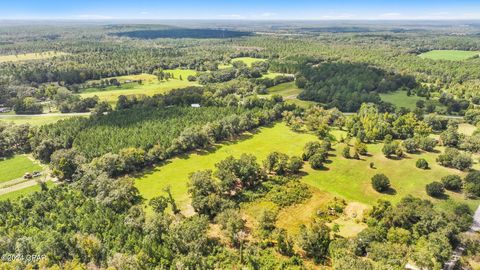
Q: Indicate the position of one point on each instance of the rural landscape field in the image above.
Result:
(252, 135)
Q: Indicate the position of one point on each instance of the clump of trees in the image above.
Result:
(347, 85)
(316, 153)
(380, 182)
(455, 159)
(435, 189)
(422, 164)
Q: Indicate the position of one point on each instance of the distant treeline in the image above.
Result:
(183, 33)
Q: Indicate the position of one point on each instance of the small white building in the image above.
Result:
(195, 105)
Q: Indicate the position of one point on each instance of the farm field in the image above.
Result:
(452, 55)
(349, 179)
(16, 167)
(22, 192)
(30, 56)
(150, 86)
(37, 120)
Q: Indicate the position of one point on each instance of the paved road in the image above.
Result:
(476, 221)
(457, 253)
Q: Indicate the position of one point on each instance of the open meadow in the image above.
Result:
(16, 167)
(38, 120)
(23, 192)
(452, 55)
(30, 56)
(150, 86)
(348, 179)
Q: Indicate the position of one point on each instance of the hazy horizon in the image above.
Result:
(247, 10)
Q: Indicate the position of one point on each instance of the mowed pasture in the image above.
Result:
(289, 91)
(247, 60)
(37, 120)
(15, 167)
(452, 55)
(175, 173)
(343, 178)
(23, 192)
(400, 99)
(150, 86)
(286, 90)
(30, 56)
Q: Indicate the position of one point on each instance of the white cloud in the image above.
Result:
(91, 17)
(267, 14)
(232, 16)
(390, 15)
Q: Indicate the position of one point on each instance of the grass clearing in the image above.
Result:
(451, 55)
(16, 167)
(400, 99)
(175, 173)
(289, 91)
(466, 129)
(30, 56)
(272, 75)
(286, 90)
(38, 120)
(23, 192)
(351, 179)
(149, 87)
(248, 60)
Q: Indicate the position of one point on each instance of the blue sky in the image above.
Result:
(240, 10)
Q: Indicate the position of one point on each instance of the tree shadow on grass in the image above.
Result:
(442, 197)
(390, 191)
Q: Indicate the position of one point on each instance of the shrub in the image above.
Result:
(472, 184)
(454, 158)
(410, 145)
(426, 143)
(435, 189)
(360, 147)
(346, 152)
(380, 182)
(316, 161)
(422, 164)
(452, 182)
(295, 164)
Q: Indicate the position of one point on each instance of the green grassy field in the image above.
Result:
(35, 120)
(349, 179)
(285, 90)
(289, 92)
(149, 87)
(452, 55)
(175, 173)
(400, 99)
(16, 167)
(466, 129)
(22, 192)
(30, 56)
(248, 60)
